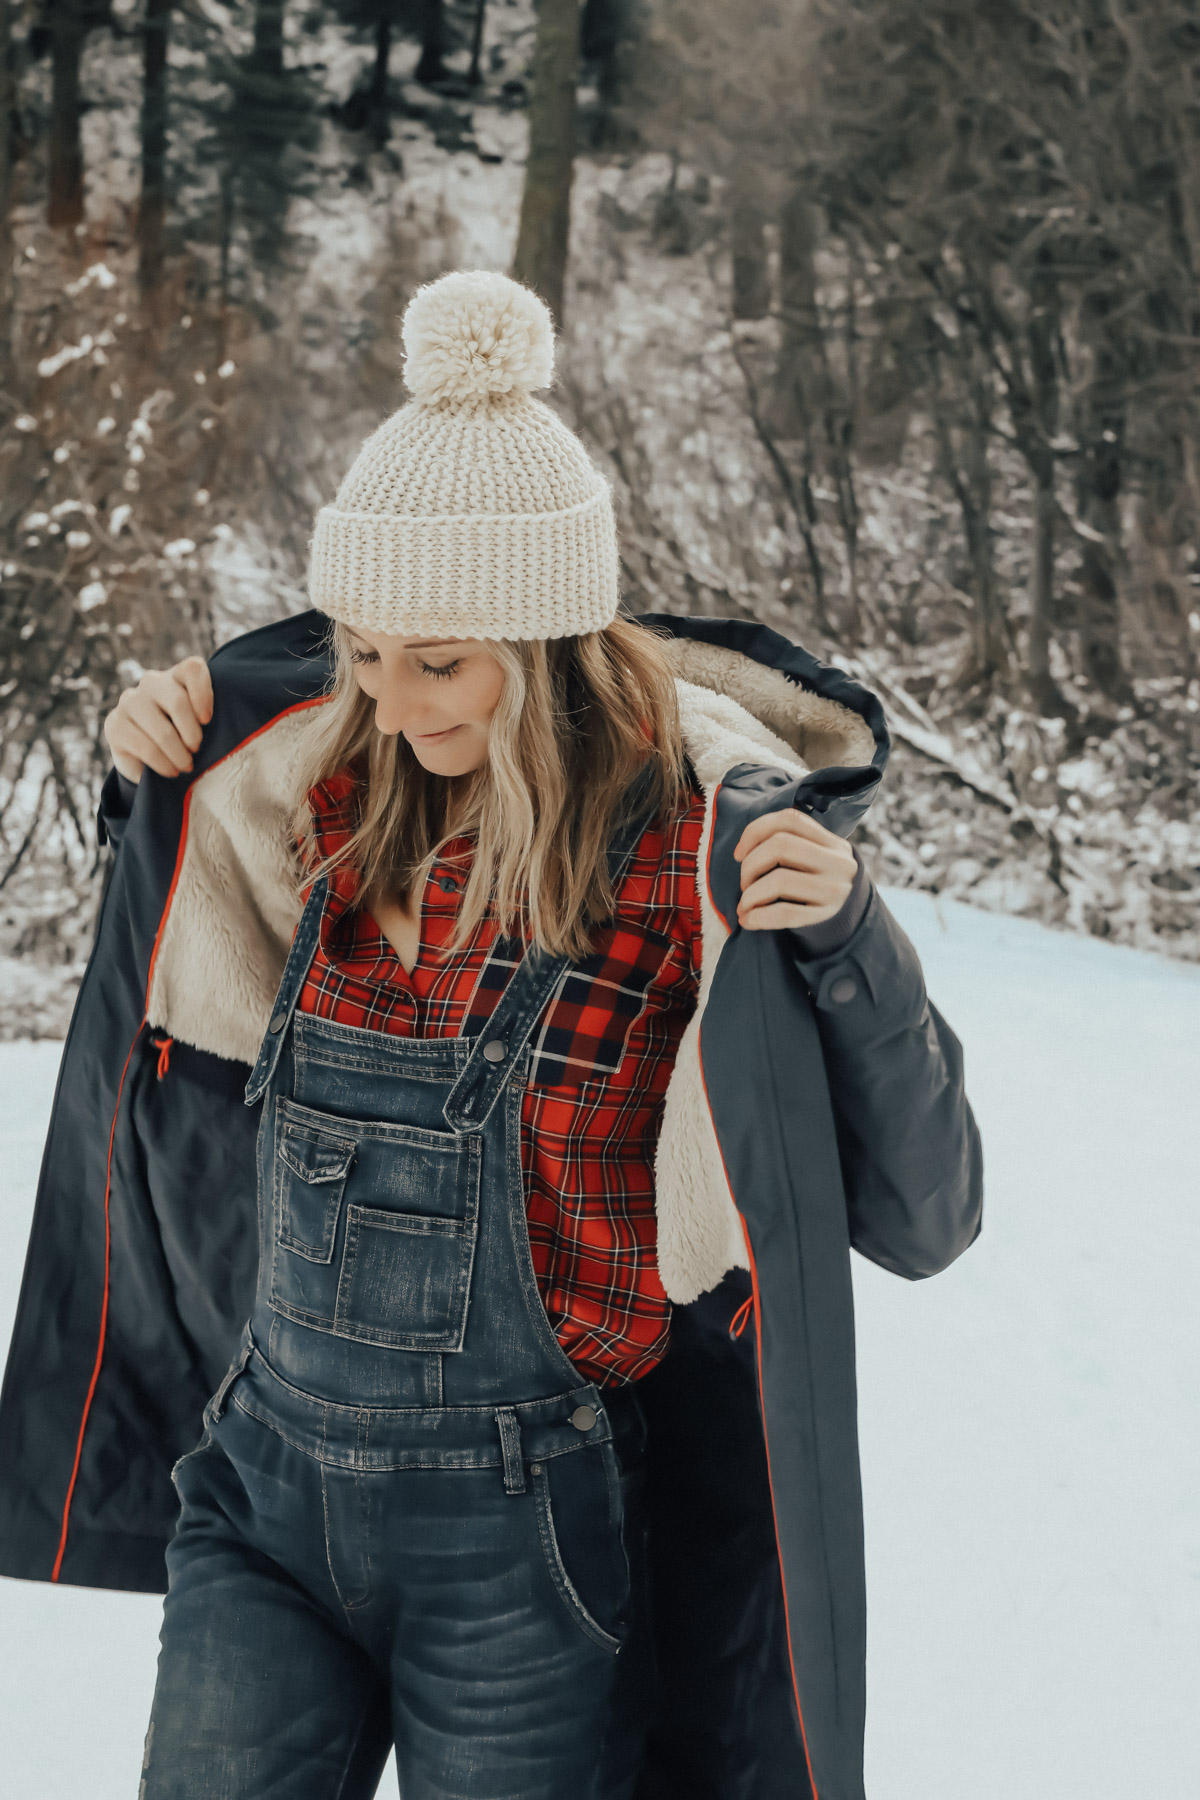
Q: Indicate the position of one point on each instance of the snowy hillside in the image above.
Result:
(1031, 1463)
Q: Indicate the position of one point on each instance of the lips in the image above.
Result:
(431, 737)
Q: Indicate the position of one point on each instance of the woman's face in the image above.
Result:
(440, 693)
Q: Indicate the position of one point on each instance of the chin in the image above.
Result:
(447, 760)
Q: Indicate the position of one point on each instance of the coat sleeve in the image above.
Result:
(910, 1149)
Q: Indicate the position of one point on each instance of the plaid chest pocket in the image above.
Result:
(587, 1024)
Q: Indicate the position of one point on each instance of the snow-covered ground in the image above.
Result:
(1030, 1450)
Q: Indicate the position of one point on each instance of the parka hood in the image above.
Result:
(808, 717)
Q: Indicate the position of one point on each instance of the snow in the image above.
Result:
(1031, 1466)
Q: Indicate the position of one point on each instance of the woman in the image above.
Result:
(584, 1010)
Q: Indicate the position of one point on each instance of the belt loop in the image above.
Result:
(510, 1450)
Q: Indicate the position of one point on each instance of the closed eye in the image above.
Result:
(442, 670)
(363, 656)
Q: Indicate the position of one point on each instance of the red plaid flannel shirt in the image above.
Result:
(602, 1056)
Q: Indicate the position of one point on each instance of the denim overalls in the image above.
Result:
(409, 1517)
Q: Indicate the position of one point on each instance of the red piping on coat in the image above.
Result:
(757, 1308)
(301, 706)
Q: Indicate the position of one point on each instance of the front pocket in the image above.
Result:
(405, 1279)
(375, 1228)
(584, 1545)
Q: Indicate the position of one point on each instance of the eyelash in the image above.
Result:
(439, 674)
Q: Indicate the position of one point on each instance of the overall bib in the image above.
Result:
(409, 1517)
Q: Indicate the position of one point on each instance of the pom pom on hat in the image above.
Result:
(474, 335)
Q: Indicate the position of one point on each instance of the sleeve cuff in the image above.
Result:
(830, 935)
(116, 803)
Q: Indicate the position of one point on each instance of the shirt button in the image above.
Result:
(447, 884)
(496, 1051)
(844, 990)
(584, 1417)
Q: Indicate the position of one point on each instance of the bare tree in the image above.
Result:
(65, 192)
(543, 233)
(152, 203)
(7, 108)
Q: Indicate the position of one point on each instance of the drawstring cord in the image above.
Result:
(741, 1318)
(163, 1046)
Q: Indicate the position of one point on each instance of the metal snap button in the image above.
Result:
(496, 1051)
(843, 990)
(535, 1468)
(584, 1417)
(278, 1023)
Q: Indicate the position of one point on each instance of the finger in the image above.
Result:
(125, 764)
(145, 714)
(175, 701)
(136, 742)
(193, 675)
(792, 885)
(796, 853)
(784, 915)
(784, 818)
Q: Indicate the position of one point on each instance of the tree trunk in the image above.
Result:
(267, 56)
(751, 297)
(1040, 429)
(542, 237)
(797, 399)
(378, 122)
(7, 269)
(473, 73)
(967, 469)
(65, 198)
(1099, 600)
(1041, 582)
(431, 66)
(152, 205)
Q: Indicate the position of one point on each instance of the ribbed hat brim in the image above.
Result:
(507, 575)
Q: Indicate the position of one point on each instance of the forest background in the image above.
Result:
(883, 318)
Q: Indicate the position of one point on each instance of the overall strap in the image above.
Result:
(300, 955)
(471, 1100)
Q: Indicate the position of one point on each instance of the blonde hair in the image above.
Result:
(578, 719)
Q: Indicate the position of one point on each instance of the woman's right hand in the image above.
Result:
(159, 723)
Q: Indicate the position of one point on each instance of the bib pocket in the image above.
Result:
(374, 1228)
(312, 1164)
(404, 1280)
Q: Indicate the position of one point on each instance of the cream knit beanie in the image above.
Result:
(473, 511)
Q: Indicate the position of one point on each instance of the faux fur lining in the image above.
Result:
(225, 939)
(822, 732)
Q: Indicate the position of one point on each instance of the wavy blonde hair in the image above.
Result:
(578, 719)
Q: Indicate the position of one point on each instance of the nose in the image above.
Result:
(389, 715)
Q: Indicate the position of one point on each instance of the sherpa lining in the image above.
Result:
(224, 940)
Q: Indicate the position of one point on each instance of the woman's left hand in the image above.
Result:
(794, 871)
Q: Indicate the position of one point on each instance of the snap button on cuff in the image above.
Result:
(841, 991)
(277, 1023)
(496, 1051)
(584, 1417)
